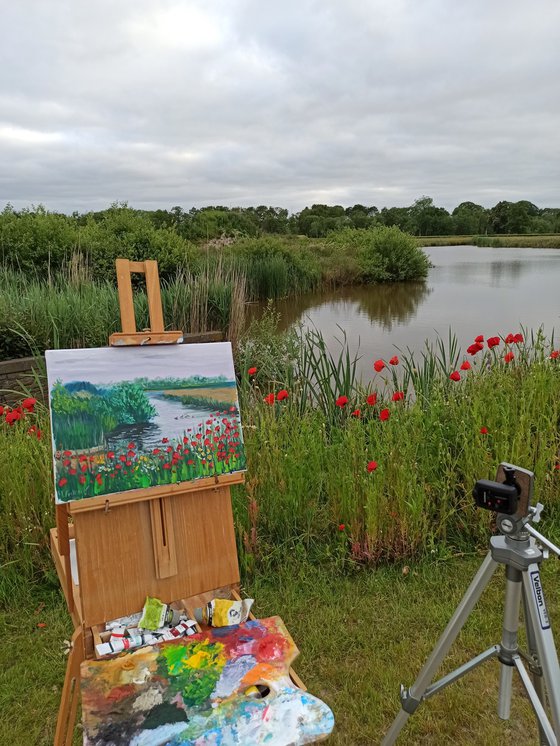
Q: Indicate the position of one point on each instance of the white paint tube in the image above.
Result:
(136, 640)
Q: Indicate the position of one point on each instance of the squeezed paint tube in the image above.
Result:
(124, 621)
(156, 614)
(222, 612)
(139, 638)
(117, 633)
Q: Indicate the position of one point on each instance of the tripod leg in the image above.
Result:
(508, 647)
(412, 697)
(536, 670)
(548, 657)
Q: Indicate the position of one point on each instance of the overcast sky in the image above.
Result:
(247, 102)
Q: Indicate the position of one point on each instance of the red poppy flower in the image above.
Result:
(1, 410)
(66, 462)
(342, 401)
(479, 339)
(128, 463)
(372, 466)
(509, 339)
(508, 357)
(252, 371)
(378, 365)
(72, 472)
(131, 445)
(492, 342)
(62, 482)
(455, 376)
(84, 467)
(384, 415)
(165, 440)
(474, 348)
(131, 454)
(341, 526)
(29, 404)
(554, 354)
(12, 417)
(110, 454)
(156, 451)
(484, 430)
(98, 478)
(269, 398)
(518, 338)
(398, 396)
(82, 479)
(465, 365)
(282, 394)
(357, 413)
(372, 399)
(394, 360)
(122, 458)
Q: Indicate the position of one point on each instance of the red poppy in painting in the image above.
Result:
(372, 466)
(98, 479)
(554, 354)
(517, 338)
(72, 472)
(269, 399)
(508, 357)
(398, 396)
(394, 360)
(122, 458)
(357, 413)
(378, 365)
(110, 454)
(62, 482)
(165, 440)
(131, 445)
(492, 342)
(455, 376)
(479, 339)
(66, 462)
(474, 348)
(342, 401)
(252, 371)
(29, 403)
(82, 479)
(282, 394)
(372, 399)
(384, 415)
(484, 431)
(84, 467)
(465, 365)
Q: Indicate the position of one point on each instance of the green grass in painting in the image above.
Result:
(360, 636)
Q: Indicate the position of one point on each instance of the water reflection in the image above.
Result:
(383, 305)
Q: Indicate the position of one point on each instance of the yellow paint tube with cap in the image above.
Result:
(223, 612)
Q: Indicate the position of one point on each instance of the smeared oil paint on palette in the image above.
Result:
(193, 691)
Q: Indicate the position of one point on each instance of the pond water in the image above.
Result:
(171, 421)
(470, 290)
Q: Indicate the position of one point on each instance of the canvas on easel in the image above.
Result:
(138, 417)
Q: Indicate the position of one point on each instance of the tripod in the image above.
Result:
(521, 549)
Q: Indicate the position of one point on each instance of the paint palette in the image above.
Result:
(222, 687)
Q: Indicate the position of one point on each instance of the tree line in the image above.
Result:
(422, 218)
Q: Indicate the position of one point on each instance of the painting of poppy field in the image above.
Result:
(126, 418)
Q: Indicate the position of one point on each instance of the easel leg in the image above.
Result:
(70, 692)
(548, 657)
(413, 697)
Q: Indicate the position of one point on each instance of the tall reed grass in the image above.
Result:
(342, 472)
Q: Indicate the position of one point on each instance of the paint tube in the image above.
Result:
(156, 614)
(138, 638)
(222, 612)
(117, 633)
(124, 621)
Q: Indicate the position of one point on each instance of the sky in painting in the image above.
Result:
(247, 102)
(113, 364)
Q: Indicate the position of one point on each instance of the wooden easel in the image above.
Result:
(175, 542)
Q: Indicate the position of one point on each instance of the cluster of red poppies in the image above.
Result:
(11, 415)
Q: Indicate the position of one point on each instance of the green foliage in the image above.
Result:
(129, 404)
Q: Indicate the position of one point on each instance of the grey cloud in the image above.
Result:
(245, 102)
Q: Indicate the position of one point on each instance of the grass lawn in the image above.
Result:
(360, 636)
